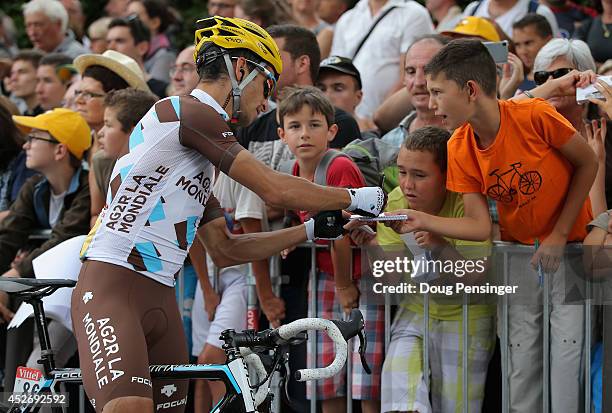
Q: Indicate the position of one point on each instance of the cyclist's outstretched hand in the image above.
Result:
(348, 297)
(550, 253)
(368, 201)
(211, 301)
(606, 91)
(274, 309)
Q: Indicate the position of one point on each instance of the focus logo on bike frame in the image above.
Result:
(27, 380)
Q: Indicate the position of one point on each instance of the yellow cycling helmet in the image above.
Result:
(234, 33)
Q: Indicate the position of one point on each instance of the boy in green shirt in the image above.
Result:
(422, 175)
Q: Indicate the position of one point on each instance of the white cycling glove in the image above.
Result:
(368, 201)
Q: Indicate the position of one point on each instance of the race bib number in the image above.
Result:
(27, 380)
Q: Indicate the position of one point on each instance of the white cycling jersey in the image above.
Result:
(158, 191)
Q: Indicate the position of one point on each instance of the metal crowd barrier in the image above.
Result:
(501, 248)
(503, 258)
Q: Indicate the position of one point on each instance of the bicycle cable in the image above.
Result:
(277, 357)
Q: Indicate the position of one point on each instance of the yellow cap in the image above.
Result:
(65, 125)
(475, 26)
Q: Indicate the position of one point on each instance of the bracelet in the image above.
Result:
(528, 94)
(343, 288)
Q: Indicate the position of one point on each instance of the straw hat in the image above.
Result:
(116, 62)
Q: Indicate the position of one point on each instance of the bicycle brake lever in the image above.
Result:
(293, 405)
(362, 349)
(298, 339)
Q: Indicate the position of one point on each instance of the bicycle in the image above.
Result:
(529, 182)
(244, 351)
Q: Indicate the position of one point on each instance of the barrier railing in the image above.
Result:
(502, 251)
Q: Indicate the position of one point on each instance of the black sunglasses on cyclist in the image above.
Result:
(269, 81)
(542, 76)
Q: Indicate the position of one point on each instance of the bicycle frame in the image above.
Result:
(239, 397)
(241, 348)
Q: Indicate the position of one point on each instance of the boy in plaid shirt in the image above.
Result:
(306, 119)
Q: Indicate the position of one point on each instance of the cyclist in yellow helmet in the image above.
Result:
(159, 195)
(219, 41)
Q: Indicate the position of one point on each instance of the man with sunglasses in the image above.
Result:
(160, 193)
(57, 199)
(529, 35)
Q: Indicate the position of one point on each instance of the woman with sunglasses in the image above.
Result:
(556, 59)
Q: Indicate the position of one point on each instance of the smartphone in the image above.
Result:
(498, 50)
(381, 217)
(584, 93)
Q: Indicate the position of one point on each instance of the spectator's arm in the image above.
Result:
(475, 225)
(582, 157)
(346, 291)
(395, 108)
(325, 38)
(97, 200)
(18, 224)
(597, 255)
(596, 137)
(4, 214)
(197, 254)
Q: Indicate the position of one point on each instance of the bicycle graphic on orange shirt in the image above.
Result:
(528, 183)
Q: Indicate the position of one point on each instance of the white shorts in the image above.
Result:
(230, 313)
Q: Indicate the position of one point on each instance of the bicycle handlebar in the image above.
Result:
(339, 331)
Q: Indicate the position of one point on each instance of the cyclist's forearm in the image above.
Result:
(300, 194)
(283, 190)
(238, 249)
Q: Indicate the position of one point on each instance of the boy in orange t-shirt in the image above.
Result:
(538, 169)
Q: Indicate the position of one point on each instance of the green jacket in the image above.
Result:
(30, 213)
